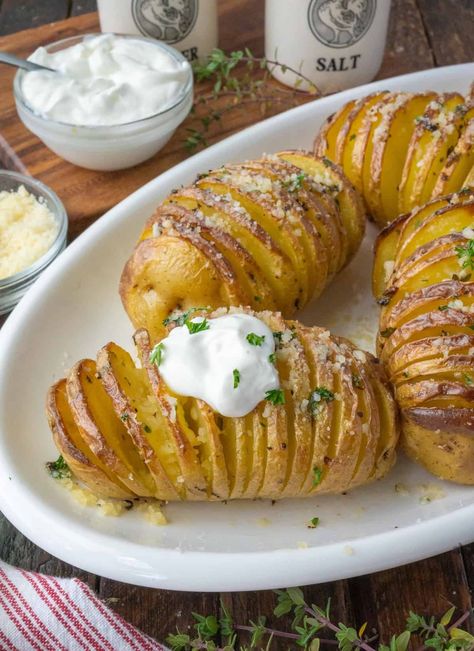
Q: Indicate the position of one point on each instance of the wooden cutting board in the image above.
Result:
(86, 194)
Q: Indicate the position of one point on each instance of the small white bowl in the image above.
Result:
(107, 148)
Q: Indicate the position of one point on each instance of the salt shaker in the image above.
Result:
(336, 44)
(188, 25)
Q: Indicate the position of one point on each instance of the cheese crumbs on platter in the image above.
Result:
(28, 228)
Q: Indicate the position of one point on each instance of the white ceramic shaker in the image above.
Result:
(335, 43)
(188, 25)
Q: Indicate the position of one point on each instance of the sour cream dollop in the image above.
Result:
(104, 80)
(228, 364)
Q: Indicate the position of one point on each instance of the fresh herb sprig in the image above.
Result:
(59, 469)
(232, 82)
(466, 255)
(275, 396)
(312, 628)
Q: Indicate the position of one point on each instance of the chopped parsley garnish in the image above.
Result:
(326, 162)
(199, 326)
(466, 255)
(443, 308)
(147, 429)
(181, 319)
(388, 332)
(313, 523)
(353, 137)
(59, 469)
(467, 379)
(317, 397)
(255, 340)
(272, 358)
(317, 475)
(259, 299)
(156, 354)
(357, 382)
(471, 327)
(124, 416)
(275, 396)
(294, 183)
(236, 376)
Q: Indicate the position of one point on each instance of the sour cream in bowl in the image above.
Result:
(113, 102)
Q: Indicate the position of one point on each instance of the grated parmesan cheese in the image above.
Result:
(27, 230)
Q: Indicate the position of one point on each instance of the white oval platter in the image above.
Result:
(74, 309)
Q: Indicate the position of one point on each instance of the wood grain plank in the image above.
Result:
(19, 551)
(429, 587)
(248, 606)
(15, 15)
(468, 558)
(157, 612)
(407, 48)
(83, 7)
(449, 27)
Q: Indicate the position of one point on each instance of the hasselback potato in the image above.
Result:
(402, 149)
(124, 434)
(269, 234)
(423, 278)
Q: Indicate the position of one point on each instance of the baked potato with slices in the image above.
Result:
(124, 434)
(423, 278)
(402, 149)
(269, 233)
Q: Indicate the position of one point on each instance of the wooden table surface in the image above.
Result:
(422, 34)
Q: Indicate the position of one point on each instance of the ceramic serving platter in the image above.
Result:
(74, 309)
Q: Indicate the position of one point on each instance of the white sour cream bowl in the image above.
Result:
(94, 139)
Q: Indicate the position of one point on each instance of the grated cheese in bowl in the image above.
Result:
(33, 231)
(28, 228)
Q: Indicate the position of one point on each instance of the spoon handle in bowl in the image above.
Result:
(12, 60)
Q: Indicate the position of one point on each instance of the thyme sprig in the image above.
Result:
(310, 623)
(230, 82)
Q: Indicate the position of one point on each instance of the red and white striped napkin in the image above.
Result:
(44, 613)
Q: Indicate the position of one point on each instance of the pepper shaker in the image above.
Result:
(188, 25)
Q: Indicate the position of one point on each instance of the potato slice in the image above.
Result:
(134, 403)
(262, 210)
(348, 135)
(450, 219)
(441, 441)
(458, 165)
(325, 141)
(450, 137)
(316, 344)
(154, 281)
(84, 464)
(182, 441)
(429, 133)
(328, 175)
(268, 261)
(103, 431)
(253, 289)
(384, 164)
(296, 190)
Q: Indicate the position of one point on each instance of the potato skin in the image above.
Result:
(426, 337)
(402, 149)
(296, 449)
(269, 234)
